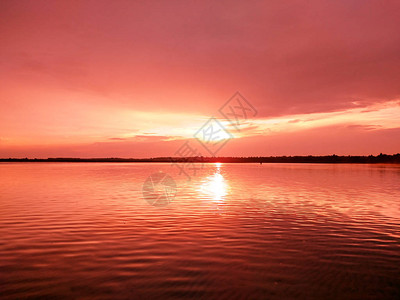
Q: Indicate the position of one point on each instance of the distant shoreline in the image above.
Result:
(371, 159)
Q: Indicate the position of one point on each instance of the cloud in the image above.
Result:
(363, 127)
(286, 58)
(318, 141)
(117, 139)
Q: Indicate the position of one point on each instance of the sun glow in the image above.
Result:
(215, 186)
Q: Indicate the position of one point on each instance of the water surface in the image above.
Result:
(235, 231)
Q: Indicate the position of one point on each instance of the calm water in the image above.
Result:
(247, 231)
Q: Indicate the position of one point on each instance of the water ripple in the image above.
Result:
(236, 231)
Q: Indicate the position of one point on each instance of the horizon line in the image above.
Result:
(333, 158)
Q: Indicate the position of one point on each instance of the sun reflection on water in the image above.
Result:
(215, 186)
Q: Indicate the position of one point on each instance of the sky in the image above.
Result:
(142, 78)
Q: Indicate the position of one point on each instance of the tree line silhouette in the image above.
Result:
(370, 159)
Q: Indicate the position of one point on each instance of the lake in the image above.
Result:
(233, 231)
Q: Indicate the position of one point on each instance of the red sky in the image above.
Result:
(138, 78)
